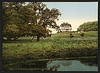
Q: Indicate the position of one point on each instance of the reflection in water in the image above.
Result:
(73, 65)
(54, 65)
(89, 64)
(89, 61)
(35, 64)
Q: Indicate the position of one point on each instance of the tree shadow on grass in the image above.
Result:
(28, 41)
(20, 41)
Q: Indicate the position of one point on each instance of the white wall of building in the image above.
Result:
(53, 30)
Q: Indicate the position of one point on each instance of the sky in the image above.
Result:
(75, 13)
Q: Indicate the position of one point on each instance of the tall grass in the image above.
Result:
(57, 46)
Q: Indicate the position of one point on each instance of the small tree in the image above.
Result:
(82, 34)
(71, 36)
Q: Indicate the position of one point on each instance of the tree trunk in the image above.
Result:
(38, 38)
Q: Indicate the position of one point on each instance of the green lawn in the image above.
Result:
(58, 45)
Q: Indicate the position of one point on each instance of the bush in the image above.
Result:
(11, 31)
(82, 34)
(71, 35)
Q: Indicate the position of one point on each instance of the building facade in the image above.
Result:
(65, 27)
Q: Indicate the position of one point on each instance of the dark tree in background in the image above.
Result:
(88, 26)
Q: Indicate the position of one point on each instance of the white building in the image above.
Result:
(65, 27)
(54, 30)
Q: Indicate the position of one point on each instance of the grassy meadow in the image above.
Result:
(58, 45)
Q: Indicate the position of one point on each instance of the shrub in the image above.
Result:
(82, 34)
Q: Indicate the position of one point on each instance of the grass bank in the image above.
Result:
(57, 46)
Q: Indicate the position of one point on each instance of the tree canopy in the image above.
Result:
(32, 18)
(88, 26)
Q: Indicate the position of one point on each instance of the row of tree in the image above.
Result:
(32, 18)
(88, 26)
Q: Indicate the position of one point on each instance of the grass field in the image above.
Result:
(58, 45)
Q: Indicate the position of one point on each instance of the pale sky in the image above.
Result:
(75, 13)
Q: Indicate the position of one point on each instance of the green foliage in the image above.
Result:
(11, 13)
(82, 34)
(39, 30)
(35, 13)
(88, 26)
(71, 35)
(11, 31)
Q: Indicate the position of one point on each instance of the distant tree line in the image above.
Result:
(32, 19)
(88, 26)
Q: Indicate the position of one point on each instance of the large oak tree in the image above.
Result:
(32, 19)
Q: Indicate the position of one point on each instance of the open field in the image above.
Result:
(58, 45)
